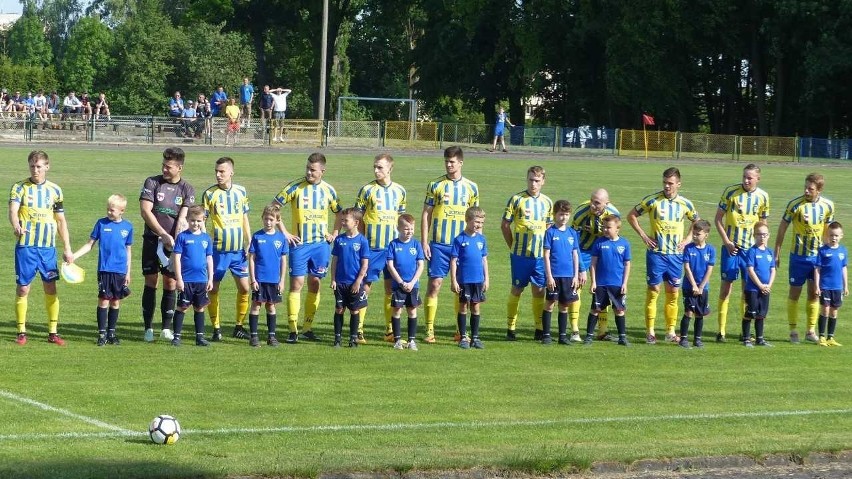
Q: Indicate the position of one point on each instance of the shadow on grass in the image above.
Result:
(102, 468)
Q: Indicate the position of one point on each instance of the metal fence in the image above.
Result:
(147, 129)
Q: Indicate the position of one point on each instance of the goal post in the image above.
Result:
(412, 104)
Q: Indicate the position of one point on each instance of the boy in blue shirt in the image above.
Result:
(469, 275)
(114, 235)
(831, 282)
(699, 257)
(267, 262)
(609, 273)
(350, 258)
(193, 263)
(405, 263)
(760, 266)
(562, 266)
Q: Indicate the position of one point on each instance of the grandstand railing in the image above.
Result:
(147, 129)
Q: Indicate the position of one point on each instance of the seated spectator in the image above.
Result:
(85, 106)
(176, 105)
(218, 101)
(189, 120)
(53, 104)
(4, 100)
(29, 105)
(15, 105)
(71, 105)
(40, 105)
(102, 107)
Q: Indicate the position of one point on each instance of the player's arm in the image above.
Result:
(146, 208)
(845, 281)
(687, 271)
(575, 283)
(633, 220)
(62, 229)
(333, 271)
(336, 228)
(592, 274)
(768, 286)
(394, 274)
(209, 272)
(362, 273)
(282, 268)
(720, 228)
(252, 272)
(14, 220)
(779, 241)
(454, 284)
(127, 275)
(182, 224)
(550, 283)
(817, 276)
(485, 272)
(246, 231)
(626, 277)
(421, 265)
(706, 279)
(88, 247)
(425, 224)
(506, 229)
(754, 279)
(178, 271)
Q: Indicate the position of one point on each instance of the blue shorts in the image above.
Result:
(801, 269)
(757, 305)
(193, 294)
(345, 299)
(310, 258)
(609, 296)
(235, 261)
(439, 265)
(733, 266)
(403, 299)
(376, 265)
(31, 259)
(659, 267)
(267, 293)
(526, 270)
(563, 293)
(471, 293)
(699, 305)
(498, 131)
(111, 286)
(833, 298)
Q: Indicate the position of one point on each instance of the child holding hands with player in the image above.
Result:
(832, 282)
(193, 263)
(760, 267)
(350, 256)
(609, 272)
(562, 267)
(405, 264)
(469, 275)
(699, 257)
(267, 262)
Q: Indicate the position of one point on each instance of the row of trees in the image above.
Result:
(766, 67)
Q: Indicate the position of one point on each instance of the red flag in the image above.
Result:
(647, 119)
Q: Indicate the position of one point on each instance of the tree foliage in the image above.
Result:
(28, 45)
(88, 56)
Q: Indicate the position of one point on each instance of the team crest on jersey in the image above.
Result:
(161, 196)
(204, 244)
(620, 249)
(178, 200)
(480, 245)
(356, 246)
(278, 244)
(124, 233)
(571, 240)
(412, 250)
(841, 256)
(706, 256)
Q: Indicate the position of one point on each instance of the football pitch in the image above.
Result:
(81, 411)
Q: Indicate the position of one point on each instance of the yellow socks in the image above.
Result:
(362, 313)
(670, 310)
(293, 306)
(813, 314)
(512, 305)
(793, 313)
(650, 309)
(21, 313)
(603, 321)
(213, 309)
(431, 308)
(574, 315)
(51, 304)
(387, 305)
(242, 307)
(311, 305)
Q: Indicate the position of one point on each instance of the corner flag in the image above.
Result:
(647, 119)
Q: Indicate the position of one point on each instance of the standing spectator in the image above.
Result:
(246, 99)
(71, 105)
(219, 100)
(102, 107)
(232, 113)
(35, 225)
(666, 211)
(499, 129)
(175, 105)
(163, 202)
(204, 113)
(266, 103)
(279, 100)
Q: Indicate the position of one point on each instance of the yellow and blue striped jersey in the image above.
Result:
(590, 226)
(225, 209)
(529, 216)
(38, 205)
(666, 216)
(742, 211)
(309, 207)
(382, 206)
(809, 220)
(449, 201)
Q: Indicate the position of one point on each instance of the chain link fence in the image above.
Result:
(705, 145)
(767, 148)
(366, 134)
(655, 143)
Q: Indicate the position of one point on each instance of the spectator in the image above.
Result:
(53, 104)
(189, 120)
(232, 113)
(86, 106)
(246, 99)
(176, 105)
(16, 104)
(266, 102)
(219, 100)
(279, 97)
(29, 104)
(102, 107)
(204, 113)
(71, 105)
(40, 105)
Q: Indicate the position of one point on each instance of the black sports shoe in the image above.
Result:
(293, 338)
(113, 339)
(272, 341)
(623, 342)
(353, 343)
(240, 332)
(546, 340)
(510, 335)
(176, 342)
(254, 342)
(310, 336)
(563, 339)
(200, 341)
(539, 335)
(217, 335)
(698, 343)
(337, 341)
(101, 340)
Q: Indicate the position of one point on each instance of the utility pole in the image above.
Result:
(323, 62)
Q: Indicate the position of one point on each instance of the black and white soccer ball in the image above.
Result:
(164, 429)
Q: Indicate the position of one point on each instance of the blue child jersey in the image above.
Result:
(611, 254)
(113, 238)
(349, 251)
(831, 264)
(405, 256)
(561, 244)
(194, 250)
(268, 248)
(698, 259)
(763, 263)
(469, 249)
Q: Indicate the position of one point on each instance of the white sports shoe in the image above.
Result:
(149, 335)
(412, 345)
(167, 334)
(575, 338)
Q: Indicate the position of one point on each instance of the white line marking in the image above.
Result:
(436, 425)
(64, 412)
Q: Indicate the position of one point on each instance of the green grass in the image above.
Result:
(309, 409)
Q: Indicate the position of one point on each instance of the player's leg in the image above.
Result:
(812, 310)
(832, 319)
(25, 271)
(654, 267)
(797, 269)
(439, 268)
(49, 275)
(672, 277)
(547, 314)
(537, 279)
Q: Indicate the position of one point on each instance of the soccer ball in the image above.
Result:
(164, 429)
